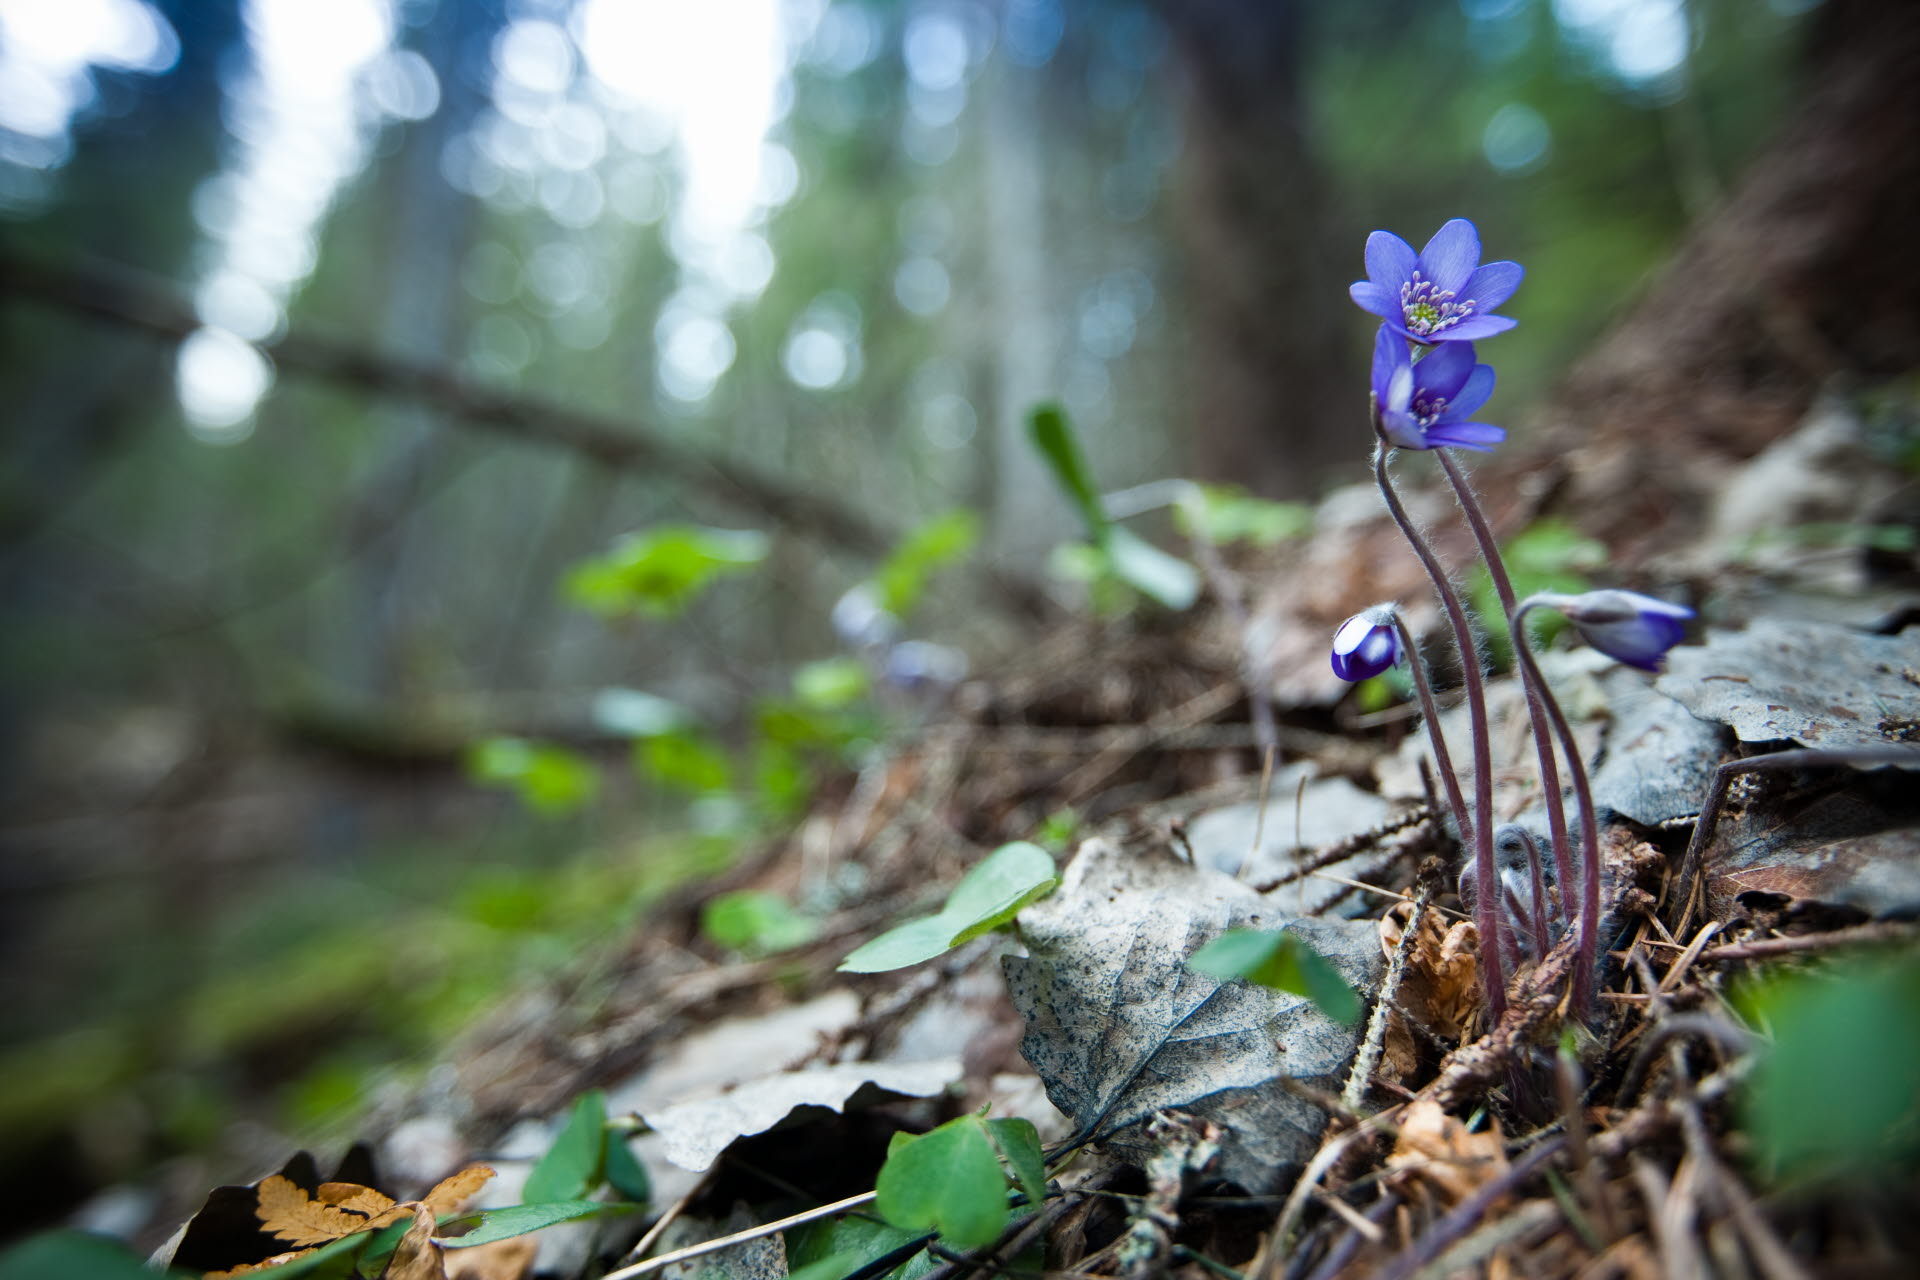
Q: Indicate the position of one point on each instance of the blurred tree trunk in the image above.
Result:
(1804, 277)
(1273, 382)
(429, 228)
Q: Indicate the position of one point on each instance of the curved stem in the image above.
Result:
(1589, 831)
(1541, 940)
(1441, 756)
(1486, 906)
(1536, 712)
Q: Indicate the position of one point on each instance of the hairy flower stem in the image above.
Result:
(1541, 939)
(1486, 908)
(1441, 756)
(1589, 830)
(1536, 712)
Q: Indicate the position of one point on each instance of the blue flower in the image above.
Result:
(1424, 405)
(1443, 294)
(1366, 644)
(1625, 625)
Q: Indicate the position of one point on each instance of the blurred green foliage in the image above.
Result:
(941, 542)
(756, 923)
(549, 780)
(1837, 1091)
(1548, 555)
(1281, 960)
(1227, 514)
(661, 571)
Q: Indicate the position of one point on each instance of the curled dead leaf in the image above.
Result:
(508, 1259)
(417, 1257)
(1435, 1151)
(452, 1193)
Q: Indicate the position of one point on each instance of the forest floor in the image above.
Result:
(1737, 1097)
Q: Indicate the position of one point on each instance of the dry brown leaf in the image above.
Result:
(450, 1194)
(288, 1212)
(1436, 1150)
(1441, 985)
(417, 1257)
(508, 1259)
(351, 1197)
(254, 1268)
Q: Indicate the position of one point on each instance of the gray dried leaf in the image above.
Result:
(1659, 757)
(697, 1131)
(1836, 836)
(1119, 1028)
(1820, 685)
(1327, 811)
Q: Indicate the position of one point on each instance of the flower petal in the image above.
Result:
(1378, 299)
(1399, 395)
(1389, 354)
(1389, 260)
(1443, 371)
(1403, 431)
(1473, 328)
(1473, 393)
(1450, 257)
(1477, 436)
(1492, 284)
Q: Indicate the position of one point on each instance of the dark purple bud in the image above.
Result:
(1625, 625)
(1366, 644)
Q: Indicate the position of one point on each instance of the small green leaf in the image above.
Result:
(70, 1255)
(987, 897)
(1166, 580)
(756, 922)
(1278, 959)
(626, 1175)
(839, 1247)
(832, 683)
(997, 888)
(1019, 1144)
(572, 1166)
(685, 761)
(521, 1219)
(549, 780)
(1055, 439)
(661, 571)
(948, 1180)
(910, 943)
(1227, 514)
(939, 542)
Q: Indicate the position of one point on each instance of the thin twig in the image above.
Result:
(1370, 1046)
(651, 1265)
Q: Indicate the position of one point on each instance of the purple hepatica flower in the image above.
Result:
(1443, 295)
(1365, 645)
(1625, 625)
(1422, 406)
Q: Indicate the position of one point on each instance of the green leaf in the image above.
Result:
(948, 1180)
(911, 943)
(1165, 579)
(832, 683)
(756, 922)
(572, 1166)
(626, 1175)
(684, 761)
(549, 780)
(70, 1255)
(1227, 514)
(997, 888)
(1019, 1145)
(987, 897)
(1838, 1093)
(521, 1219)
(663, 570)
(1278, 959)
(933, 546)
(1058, 445)
(840, 1246)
